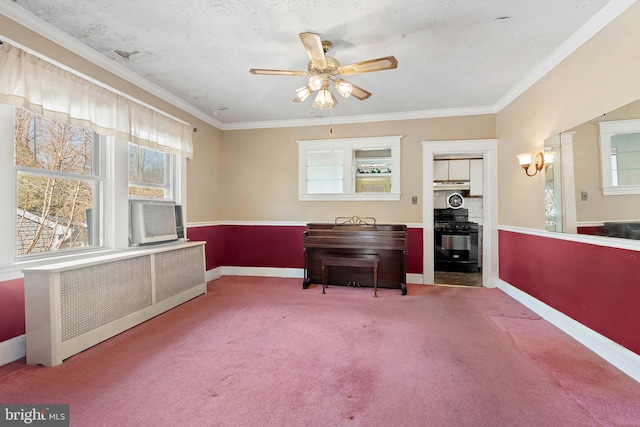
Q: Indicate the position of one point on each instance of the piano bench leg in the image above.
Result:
(375, 281)
(324, 278)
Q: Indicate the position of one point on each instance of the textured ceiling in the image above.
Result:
(451, 54)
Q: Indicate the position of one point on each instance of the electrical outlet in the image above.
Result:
(584, 196)
(414, 200)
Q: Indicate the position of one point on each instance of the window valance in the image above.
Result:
(42, 87)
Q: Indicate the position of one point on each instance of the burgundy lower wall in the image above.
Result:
(214, 248)
(226, 245)
(11, 309)
(597, 286)
(596, 230)
(273, 246)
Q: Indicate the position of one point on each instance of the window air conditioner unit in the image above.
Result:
(155, 222)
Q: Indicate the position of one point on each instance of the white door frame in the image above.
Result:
(488, 149)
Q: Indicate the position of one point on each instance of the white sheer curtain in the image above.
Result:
(30, 82)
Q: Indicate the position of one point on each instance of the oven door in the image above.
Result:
(456, 250)
(457, 245)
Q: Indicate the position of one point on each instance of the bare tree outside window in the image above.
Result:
(55, 190)
(148, 173)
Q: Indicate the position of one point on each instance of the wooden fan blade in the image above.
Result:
(386, 63)
(313, 45)
(358, 92)
(278, 72)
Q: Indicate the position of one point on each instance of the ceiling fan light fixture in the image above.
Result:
(302, 94)
(324, 100)
(343, 87)
(315, 82)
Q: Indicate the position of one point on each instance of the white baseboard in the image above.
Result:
(13, 349)
(297, 273)
(415, 278)
(214, 274)
(619, 356)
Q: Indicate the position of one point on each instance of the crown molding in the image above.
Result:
(601, 19)
(369, 118)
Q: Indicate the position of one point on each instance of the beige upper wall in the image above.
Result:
(227, 179)
(203, 201)
(260, 169)
(600, 76)
(588, 174)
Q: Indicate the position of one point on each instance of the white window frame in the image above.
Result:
(607, 131)
(171, 178)
(114, 209)
(349, 145)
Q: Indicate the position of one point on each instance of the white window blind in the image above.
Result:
(324, 172)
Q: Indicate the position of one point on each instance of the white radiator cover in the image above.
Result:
(70, 307)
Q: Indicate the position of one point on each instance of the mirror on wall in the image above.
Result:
(593, 185)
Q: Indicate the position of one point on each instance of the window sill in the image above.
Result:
(361, 197)
(621, 190)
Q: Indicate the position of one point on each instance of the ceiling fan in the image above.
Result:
(325, 71)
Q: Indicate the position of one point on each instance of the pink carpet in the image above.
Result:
(265, 352)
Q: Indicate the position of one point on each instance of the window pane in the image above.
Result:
(325, 172)
(45, 144)
(52, 214)
(147, 165)
(626, 157)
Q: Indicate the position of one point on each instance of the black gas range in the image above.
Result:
(456, 241)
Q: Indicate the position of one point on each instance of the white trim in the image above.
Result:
(621, 190)
(213, 274)
(488, 148)
(13, 349)
(611, 242)
(202, 224)
(415, 278)
(355, 197)
(348, 146)
(591, 223)
(619, 356)
(297, 273)
(280, 223)
(601, 19)
(370, 118)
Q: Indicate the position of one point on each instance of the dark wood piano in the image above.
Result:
(356, 235)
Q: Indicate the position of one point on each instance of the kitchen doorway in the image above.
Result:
(486, 149)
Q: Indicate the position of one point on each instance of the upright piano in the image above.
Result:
(357, 236)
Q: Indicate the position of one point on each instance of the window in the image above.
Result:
(67, 189)
(150, 173)
(350, 169)
(58, 185)
(620, 152)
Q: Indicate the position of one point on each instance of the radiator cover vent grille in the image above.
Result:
(178, 271)
(96, 295)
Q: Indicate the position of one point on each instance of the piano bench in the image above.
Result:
(350, 260)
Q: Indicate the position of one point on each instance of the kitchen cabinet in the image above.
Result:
(459, 170)
(451, 170)
(441, 170)
(475, 177)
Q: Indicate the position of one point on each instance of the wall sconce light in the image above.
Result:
(525, 162)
